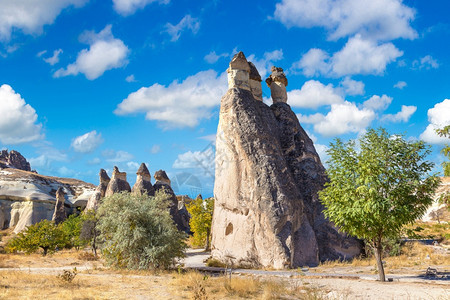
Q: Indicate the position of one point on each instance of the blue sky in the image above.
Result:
(89, 84)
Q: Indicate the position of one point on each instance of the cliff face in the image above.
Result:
(27, 198)
(268, 173)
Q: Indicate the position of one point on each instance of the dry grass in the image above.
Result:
(195, 285)
(36, 260)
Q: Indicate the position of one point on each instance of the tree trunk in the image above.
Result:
(208, 244)
(45, 251)
(378, 250)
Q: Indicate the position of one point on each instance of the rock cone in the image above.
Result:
(100, 191)
(60, 212)
(143, 183)
(268, 174)
(118, 183)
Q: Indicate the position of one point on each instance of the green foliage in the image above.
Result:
(89, 232)
(374, 192)
(71, 228)
(201, 212)
(45, 235)
(445, 132)
(137, 231)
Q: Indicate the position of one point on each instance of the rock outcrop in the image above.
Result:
(268, 174)
(60, 212)
(15, 160)
(162, 183)
(118, 183)
(143, 183)
(27, 198)
(100, 191)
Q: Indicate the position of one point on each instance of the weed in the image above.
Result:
(67, 276)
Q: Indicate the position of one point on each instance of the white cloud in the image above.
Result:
(87, 142)
(53, 60)
(352, 87)
(310, 119)
(178, 104)
(402, 116)
(377, 20)
(47, 155)
(30, 16)
(188, 22)
(426, 62)
(130, 78)
(155, 149)
(378, 103)
(314, 94)
(344, 118)
(105, 53)
(438, 116)
(264, 64)
(212, 57)
(400, 85)
(117, 156)
(129, 7)
(313, 63)
(18, 121)
(358, 56)
(195, 160)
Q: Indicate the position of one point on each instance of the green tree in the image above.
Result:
(137, 232)
(445, 132)
(71, 228)
(373, 192)
(45, 235)
(201, 212)
(89, 231)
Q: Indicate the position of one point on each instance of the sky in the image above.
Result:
(90, 84)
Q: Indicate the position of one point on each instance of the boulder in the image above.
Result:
(143, 183)
(100, 191)
(60, 212)
(118, 183)
(268, 174)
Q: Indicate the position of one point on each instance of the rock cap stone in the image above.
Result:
(161, 176)
(277, 76)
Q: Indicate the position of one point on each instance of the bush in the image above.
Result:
(137, 231)
(71, 228)
(45, 235)
(201, 212)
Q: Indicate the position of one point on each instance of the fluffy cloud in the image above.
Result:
(358, 56)
(266, 62)
(130, 78)
(48, 154)
(53, 60)
(212, 57)
(30, 16)
(343, 118)
(204, 160)
(180, 104)
(400, 85)
(105, 53)
(87, 142)
(18, 121)
(314, 94)
(117, 156)
(378, 103)
(438, 116)
(188, 22)
(426, 62)
(402, 116)
(129, 7)
(352, 87)
(380, 20)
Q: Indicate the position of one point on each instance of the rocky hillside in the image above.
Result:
(27, 198)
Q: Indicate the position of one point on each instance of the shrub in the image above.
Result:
(137, 231)
(201, 212)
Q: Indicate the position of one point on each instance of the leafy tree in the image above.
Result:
(138, 232)
(71, 228)
(201, 212)
(45, 235)
(373, 192)
(445, 132)
(89, 231)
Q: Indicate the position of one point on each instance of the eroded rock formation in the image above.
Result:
(15, 160)
(268, 173)
(60, 212)
(100, 191)
(118, 183)
(143, 183)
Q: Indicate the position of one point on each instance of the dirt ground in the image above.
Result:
(36, 277)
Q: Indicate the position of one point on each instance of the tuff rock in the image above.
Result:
(268, 173)
(118, 183)
(100, 191)
(15, 160)
(60, 212)
(143, 183)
